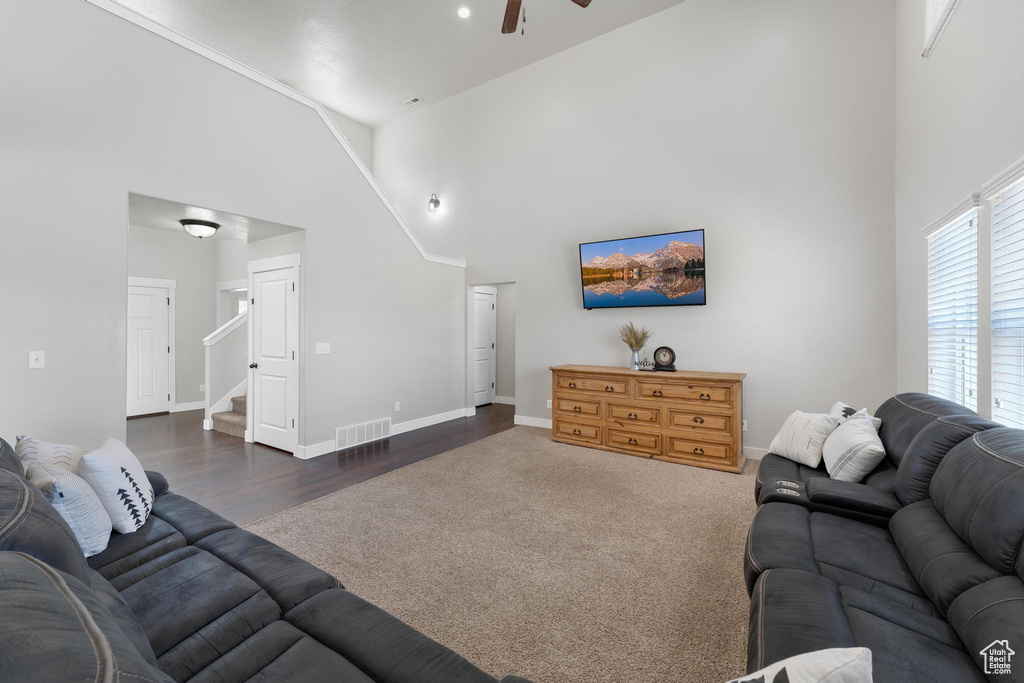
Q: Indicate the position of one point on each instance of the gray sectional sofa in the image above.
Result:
(188, 597)
(922, 563)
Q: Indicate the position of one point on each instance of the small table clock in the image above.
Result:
(664, 359)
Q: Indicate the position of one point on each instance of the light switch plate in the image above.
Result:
(398, 406)
(36, 360)
(549, 403)
(323, 348)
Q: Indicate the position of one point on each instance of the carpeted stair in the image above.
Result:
(232, 422)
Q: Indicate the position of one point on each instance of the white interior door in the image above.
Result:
(274, 384)
(149, 350)
(484, 334)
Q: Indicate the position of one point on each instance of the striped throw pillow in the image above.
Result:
(854, 449)
(76, 502)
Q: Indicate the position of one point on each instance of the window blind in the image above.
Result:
(953, 311)
(1008, 305)
(936, 16)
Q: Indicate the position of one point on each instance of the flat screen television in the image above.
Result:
(655, 270)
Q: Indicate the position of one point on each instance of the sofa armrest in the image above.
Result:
(848, 496)
(158, 481)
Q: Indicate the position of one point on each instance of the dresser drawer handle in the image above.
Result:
(609, 388)
(632, 441)
(699, 420)
(705, 397)
(698, 451)
(572, 385)
(576, 432)
(657, 392)
(577, 409)
(632, 416)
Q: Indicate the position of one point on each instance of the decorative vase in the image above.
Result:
(635, 364)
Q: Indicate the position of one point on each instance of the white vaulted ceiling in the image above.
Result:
(363, 58)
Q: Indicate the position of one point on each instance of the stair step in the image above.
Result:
(230, 423)
(238, 404)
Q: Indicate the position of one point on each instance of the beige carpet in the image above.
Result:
(549, 561)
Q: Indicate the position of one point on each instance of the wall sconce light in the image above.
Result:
(434, 203)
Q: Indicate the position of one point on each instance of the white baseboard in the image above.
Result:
(754, 453)
(207, 425)
(532, 421)
(182, 407)
(224, 404)
(317, 449)
(248, 436)
(506, 400)
(403, 427)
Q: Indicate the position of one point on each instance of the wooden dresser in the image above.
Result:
(691, 418)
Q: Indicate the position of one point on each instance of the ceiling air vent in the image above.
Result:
(411, 101)
(355, 435)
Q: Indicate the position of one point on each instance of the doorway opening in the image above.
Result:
(491, 344)
(193, 353)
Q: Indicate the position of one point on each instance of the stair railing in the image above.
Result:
(227, 350)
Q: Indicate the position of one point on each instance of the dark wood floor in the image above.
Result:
(245, 482)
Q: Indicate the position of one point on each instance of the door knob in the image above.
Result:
(253, 366)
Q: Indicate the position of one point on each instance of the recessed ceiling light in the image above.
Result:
(464, 12)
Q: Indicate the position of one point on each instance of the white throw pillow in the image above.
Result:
(120, 481)
(836, 665)
(854, 449)
(31, 450)
(803, 435)
(845, 412)
(76, 502)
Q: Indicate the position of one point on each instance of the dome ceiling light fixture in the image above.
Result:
(199, 228)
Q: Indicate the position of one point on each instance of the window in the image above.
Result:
(953, 311)
(1008, 305)
(243, 306)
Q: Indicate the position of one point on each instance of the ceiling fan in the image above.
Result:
(515, 7)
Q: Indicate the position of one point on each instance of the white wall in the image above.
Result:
(358, 135)
(505, 373)
(769, 124)
(135, 126)
(231, 260)
(177, 256)
(960, 121)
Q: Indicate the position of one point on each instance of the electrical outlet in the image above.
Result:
(323, 348)
(549, 403)
(202, 388)
(36, 360)
(398, 406)
(744, 425)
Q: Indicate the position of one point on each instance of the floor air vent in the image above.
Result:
(354, 435)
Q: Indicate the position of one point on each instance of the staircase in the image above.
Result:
(233, 421)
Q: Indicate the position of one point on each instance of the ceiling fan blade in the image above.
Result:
(582, 3)
(511, 16)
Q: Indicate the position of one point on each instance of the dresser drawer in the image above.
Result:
(685, 392)
(623, 414)
(635, 441)
(577, 431)
(618, 387)
(579, 407)
(689, 419)
(693, 449)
